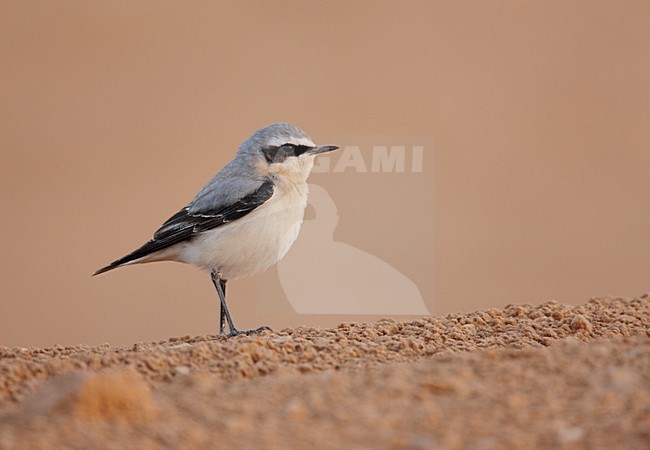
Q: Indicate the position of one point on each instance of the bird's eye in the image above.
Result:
(288, 149)
(294, 150)
(279, 154)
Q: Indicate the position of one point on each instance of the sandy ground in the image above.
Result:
(527, 376)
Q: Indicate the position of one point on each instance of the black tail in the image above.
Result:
(114, 265)
(139, 253)
(147, 249)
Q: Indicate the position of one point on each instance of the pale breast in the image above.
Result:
(253, 243)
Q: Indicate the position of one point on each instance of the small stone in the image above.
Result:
(181, 370)
(580, 322)
(321, 343)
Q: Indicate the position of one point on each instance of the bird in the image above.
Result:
(244, 219)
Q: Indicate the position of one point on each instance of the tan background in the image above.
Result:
(113, 114)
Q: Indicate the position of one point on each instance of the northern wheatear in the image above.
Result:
(245, 218)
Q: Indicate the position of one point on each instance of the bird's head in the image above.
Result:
(282, 150)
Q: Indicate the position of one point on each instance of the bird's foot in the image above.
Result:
(236, 332)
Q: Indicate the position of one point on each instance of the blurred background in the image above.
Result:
(113, 114)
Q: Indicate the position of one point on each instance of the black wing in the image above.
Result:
(185, 225)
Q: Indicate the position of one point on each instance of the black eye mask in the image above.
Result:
(278, 154)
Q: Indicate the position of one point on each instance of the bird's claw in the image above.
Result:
(236, 332)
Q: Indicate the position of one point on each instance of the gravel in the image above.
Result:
(549, 375)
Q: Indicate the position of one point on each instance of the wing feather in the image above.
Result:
(189, 222)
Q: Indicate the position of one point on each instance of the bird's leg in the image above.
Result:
(222, 310)
(224, 313)
(221, 290)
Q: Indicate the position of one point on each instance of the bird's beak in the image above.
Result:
(322, 149)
